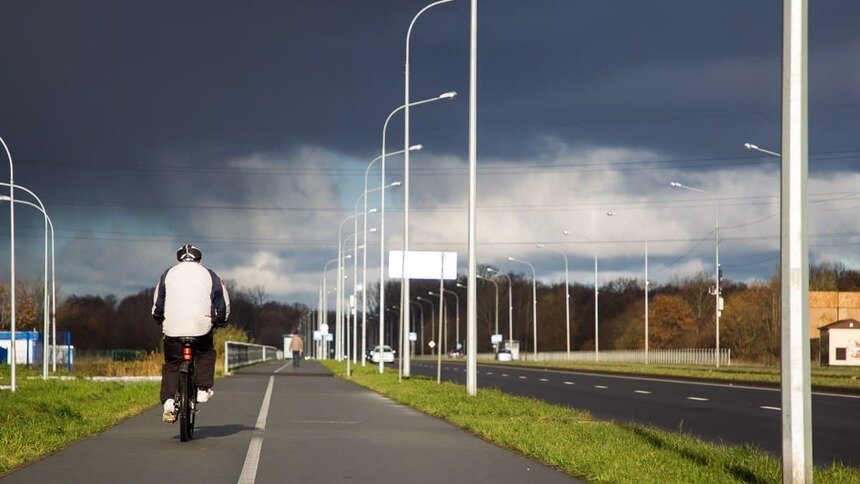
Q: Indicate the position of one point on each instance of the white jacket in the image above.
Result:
(189, 299)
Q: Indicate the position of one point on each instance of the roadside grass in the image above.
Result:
(45, 416)
(574, 442)
(823, 378)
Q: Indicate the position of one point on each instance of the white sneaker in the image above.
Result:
(203, 395)
(169, 414)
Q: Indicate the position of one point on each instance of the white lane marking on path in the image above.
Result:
(281, 368)
(568, 383)
(543, 379)
(252, 458)
(600, 386)
(504, 374)
(643, 392)
(766, 407)
(522, 377)
(698, 399)
(489, 372)
(328, 421)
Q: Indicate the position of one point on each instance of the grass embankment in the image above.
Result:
(823, 378)
(574, 442)
(45, 416)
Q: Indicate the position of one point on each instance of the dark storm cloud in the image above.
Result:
(127, 116)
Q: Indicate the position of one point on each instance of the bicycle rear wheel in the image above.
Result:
(186, 410)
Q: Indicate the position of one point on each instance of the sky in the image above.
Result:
(246, 128)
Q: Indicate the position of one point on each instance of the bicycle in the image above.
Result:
(186, 396)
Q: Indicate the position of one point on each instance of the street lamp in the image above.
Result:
(647, 285)
(12, 312)
(324, 306)
(534, 300)
(421, 307)
(596, 300)
(355, 262)
(404, 282)
(754, 147)
(510, 305)
(566, 296)
(718, 299)
(45, 317)
(446, 95)
(457, 320)
(432, 319)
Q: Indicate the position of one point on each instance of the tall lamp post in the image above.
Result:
(510, 304)
(421, 308)
(45, 313)
(404, 282)
(596, 299)
(566, 295)
(12, 313)
(364, 255)
(534, 301)
(447, 95)
(647, 285)
(432, 319)
(496, 287)
(456, 320)
(717, 299)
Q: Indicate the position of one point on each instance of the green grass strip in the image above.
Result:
(574, 442)
(45, 416)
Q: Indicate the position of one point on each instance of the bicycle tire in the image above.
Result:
(186, 414)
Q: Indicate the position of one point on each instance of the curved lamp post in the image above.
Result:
(566, 295)
(534, 300)
(446, 95)
(647, 286)
(596, 300)
(12, 312)
(717, 308)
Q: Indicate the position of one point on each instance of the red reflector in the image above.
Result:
(186, 353)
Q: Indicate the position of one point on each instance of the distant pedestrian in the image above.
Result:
(296, 346)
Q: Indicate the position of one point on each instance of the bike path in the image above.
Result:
(317, 429)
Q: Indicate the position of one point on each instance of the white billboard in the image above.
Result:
(422, 265)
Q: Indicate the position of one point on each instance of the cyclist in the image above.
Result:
(189, 300)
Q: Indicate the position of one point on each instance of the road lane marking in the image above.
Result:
(281, 368)
(568, 383)
(504, 374)
(643, 392)
(698, 399)
(522, 377)
(252, 458)
(543, 379)
(766, 407)
(489, 372)
(600, 386)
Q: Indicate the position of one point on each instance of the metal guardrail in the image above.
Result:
(238, 354)
(681, 356)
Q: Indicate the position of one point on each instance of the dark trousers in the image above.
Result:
(297, 356)
(204, 364)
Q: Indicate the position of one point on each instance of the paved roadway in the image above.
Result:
(303, 426)
(715, 412)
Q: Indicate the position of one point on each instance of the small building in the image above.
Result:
(840, 343)
(28, 349)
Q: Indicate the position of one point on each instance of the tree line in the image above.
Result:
(681, 313)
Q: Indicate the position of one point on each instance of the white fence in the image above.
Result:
(683, 356)
(238, 354)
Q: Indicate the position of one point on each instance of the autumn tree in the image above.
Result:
(672, 323)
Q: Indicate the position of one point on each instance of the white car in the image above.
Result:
(504, 355)
(387, 354)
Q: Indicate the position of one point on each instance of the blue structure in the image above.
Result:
(27, 343)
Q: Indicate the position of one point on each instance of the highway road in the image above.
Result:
(714, 412)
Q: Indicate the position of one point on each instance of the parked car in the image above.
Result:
(504, 355)
(387, 354)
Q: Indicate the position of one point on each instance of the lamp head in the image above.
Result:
(490, 269)
(540, 246)
(448, 95)
(416, 147)
(611, 213)
(511, 259)
(348, 256)
(566, 232)
(373, 230)
(750, 146)
(675, 185)
(372, 210)
(463, 286)
(395, 184)
(432, 293)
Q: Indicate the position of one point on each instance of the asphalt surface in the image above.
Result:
(317, 429)
(714, 412)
